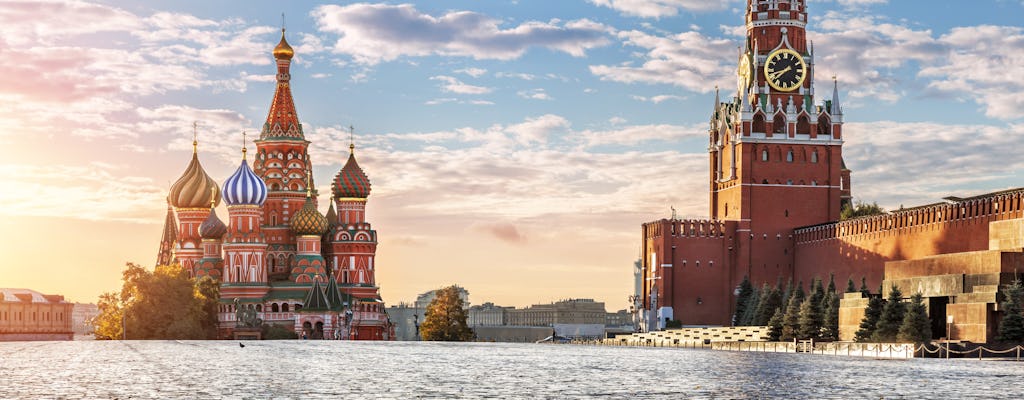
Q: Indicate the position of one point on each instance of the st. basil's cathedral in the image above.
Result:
(278, 258)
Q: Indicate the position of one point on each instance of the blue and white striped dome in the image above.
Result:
(244, 188)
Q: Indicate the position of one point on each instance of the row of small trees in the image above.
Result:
(892, 319)
(791, 313)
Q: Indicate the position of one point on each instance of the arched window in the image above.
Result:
(789, 156)
(779, 124)
(814, 156)
(274, 308)
(273, 219)
(758, 125)
(824, 125)
(259, 308)
(764, 155)
(298, 307)
(803, 125)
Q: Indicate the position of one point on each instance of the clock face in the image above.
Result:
(743, 73)
(785, 70)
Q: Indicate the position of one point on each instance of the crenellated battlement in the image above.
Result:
(998, 206)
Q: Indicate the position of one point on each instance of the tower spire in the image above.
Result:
(351, 139)
(243, 145)
(836, 109)
(195, 136)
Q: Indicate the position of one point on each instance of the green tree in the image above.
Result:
(860, 209)
(830, 317)
(864, 286)
(445, 318)
(771, 300)
(750, 314)
(791, 320)
(1011, 328)
(809, 319)
(743, 299)
(892, 317)
(916, 327)
(162, 304)
(831, 283)
(870, 321)
(775, 325)
(849, 286)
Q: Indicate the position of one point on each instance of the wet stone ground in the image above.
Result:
(342, 369)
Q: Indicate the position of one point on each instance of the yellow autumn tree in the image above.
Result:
(445, 319)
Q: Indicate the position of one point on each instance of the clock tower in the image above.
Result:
(775, 155)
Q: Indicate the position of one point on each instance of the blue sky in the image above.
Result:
(515, 147)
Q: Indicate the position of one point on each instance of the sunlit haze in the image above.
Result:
(514, 146)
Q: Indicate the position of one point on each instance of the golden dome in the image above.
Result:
(195, 188)
(309, 221)
(283, 50)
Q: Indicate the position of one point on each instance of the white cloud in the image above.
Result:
(452, 85)
(372, 33)
(474, 72)
(517, 75)
(534, 94)
(661, 8)
(657, 99)
(689, 60)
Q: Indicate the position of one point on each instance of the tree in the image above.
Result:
(771, 300)
(916, 327)
(445, 318)
(791, 320)
(809, 319)
(860, 209)
(891, 318)
(775, 325)
(831, 283)
(830, 317)
(864, 286)
(870, 321)
(750, 314)
(1011, 329)
(162, 304)
(849, 286)
(746, 292)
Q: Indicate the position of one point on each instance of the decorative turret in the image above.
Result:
(283, 51)
(190, 196)
(244, 187)
(837, 109)
(315, 299)
(212, 230)
(165, 256)
(309, 226)
(282, 120)
(351, 182)
(332, 216)
(245, 247)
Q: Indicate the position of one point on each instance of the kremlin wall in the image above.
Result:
(778, 182)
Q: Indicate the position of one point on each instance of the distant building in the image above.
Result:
(572, 311)
(619, 318)
(488, 314)
(30, 315)
(407, 316)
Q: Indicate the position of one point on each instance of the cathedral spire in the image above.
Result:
(282, 120)
(836, 108)
(166, 254)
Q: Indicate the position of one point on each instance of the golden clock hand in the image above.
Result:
(775, 74)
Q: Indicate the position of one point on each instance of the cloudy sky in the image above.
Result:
(515, 146)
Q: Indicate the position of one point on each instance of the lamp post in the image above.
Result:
(634, 309)
(416, 324)
(949, 325)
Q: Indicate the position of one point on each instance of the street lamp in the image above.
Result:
(949, 325)
(416, 324)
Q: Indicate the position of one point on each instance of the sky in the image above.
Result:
(515, 146)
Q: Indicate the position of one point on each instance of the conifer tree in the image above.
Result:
(750, 314)
(870, 321)
(771, 299)
(864, 286)
(775, 326)
(831, 283)
(787, 294)
(916, 327)
(891, 318)
(817, 293)
(810, 319)
(849, 286)
(791, 320)
(830, 318)
(1011, 329)
(742, 300)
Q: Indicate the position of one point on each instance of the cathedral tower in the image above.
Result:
(245, 274)
(190, 196)
(353, 241)
(282, 162)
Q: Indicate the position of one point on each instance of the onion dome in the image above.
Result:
(351, 181)
(283, 51)
(244, 187)
(308, 221)
(194, 188)
(213, 227)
